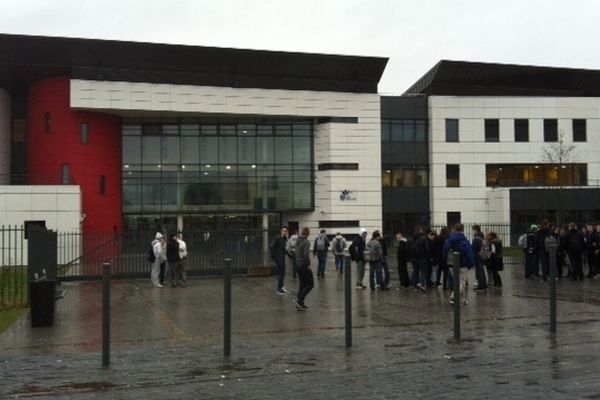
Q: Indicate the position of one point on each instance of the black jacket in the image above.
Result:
(172, 251)
(277, 249)
(357, 248)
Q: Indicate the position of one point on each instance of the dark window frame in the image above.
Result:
(550, 130)
(492, 130)
(65, 174)
(521, 130)
(85, 133)
(338, 167)
(579, 130)
(454, 170)
(452, 132)
(339, 224)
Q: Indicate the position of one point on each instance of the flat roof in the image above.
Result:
(464, 78)
(25, 58)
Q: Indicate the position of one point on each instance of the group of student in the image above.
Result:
(171, 253)
(576, 247)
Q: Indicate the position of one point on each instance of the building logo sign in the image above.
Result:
(346, 195)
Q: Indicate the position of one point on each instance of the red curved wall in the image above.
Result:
(47, 152)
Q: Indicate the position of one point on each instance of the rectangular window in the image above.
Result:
(66, 174)
(47, 122)
(339, 224)
(452, 175)
(451, 130)
(492, 130)
(521, 130)
(550, 130)
(85, 131)
(338, 166)
(102, 185)
(520, 175)
(579, 130)
(452, 217)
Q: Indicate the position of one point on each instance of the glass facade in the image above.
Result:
(225, 165)
(516, 175)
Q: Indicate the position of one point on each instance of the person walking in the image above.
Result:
(278, 253)
(402, 260)
(158, 245)
(338, 246)
(320, 248)
(173, 260)
(457, 242)
(304, 272)
(357, 249)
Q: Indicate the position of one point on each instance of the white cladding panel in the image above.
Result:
(334, 142)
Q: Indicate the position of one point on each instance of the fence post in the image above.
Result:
(227, 311)
(348, 299)
(551, 247)
(106, 314)
(456, 293)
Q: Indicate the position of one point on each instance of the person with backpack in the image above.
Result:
(290, 250)
(575, 249)
(357, 249)
(338, 246)
(419, 258)
(375, 251)
(278, 252)
(320, 249)
(457, 242)
(479, 258)
(157, 257)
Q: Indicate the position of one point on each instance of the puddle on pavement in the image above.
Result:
(75, 386)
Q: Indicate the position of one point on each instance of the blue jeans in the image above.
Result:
(339, 263)
(280, 272)
(375, 274)
(480, 274)
(420, 272)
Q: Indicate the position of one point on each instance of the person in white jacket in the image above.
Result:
(158, 247)
(183, 253)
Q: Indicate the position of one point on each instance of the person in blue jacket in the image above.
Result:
(458, 242)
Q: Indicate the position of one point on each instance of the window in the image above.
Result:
(451, 130)
(452, 175)
(47, 122)
(403, 130)
(102, 185)
(519, 175)
(521, 130)
(339, 224)
(406, 176)
(452, 218)
(85, 133)
(550, 130)
(579, 130)
(338, 166)
(66, 174)
(492, 130)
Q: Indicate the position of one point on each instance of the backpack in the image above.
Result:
(290, 246)
(454, 247)
(321, 243)
(367, 253)
(151, 255)
(417, 248)
(339, 246)
(485, 253)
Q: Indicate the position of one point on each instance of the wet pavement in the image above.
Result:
(167, 343)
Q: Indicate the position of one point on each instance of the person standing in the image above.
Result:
(357, 249)
(444, 270)
(375, 251)
(575, 249)
(543, 257)
(495, 263)
(183, 254)
(158, 250)
(402, 259)
(320, 249)
(477, 245)
(457, 242)
(304, 272)
(173, 260)
(278, 252)
(419, 257)
(530, 250)
(290, 249)
(338, 246)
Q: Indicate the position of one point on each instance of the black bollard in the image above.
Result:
(348, 299)
(105, 314)
(227, 311)
(551, 247)
(456, 293)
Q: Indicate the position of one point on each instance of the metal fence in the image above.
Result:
(13, 267)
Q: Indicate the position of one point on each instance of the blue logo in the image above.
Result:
(346, 195)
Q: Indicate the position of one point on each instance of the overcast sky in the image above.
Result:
(414, 34)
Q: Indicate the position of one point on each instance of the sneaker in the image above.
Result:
(300, 306)
(159, 285)
(284, 290)
(451, 300)
(421, 287)
(465, 302)
(360, 287)
(280, 292)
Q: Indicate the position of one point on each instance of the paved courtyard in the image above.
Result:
(167, 343)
